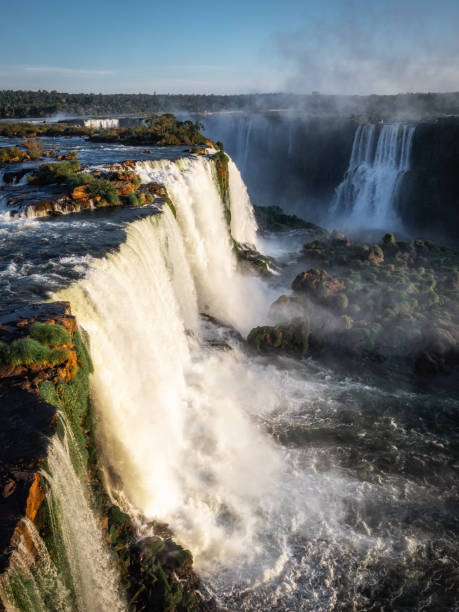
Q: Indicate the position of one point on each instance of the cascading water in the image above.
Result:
(272, 473)
(98, 124)
(81, 575)
(191, 184)
(180, 420)
(243, 224)
(367, 197)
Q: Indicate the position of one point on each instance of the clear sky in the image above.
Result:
(331, 46)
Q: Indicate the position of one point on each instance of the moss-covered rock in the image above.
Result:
(289, 337)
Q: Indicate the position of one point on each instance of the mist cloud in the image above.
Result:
(373, 47)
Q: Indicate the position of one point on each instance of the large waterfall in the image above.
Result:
(180, 414)
(367, 197)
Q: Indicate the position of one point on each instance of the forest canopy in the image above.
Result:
(20, 104)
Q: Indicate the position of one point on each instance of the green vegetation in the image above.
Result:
(160, 130)
(133, 199)
(33, 148)
(46, 103)
(72, 397)
(27, 351)
(222, 177)
(395, 298)
(55, 172)
(274, 219)
(96, 187)
(50, 335)
(289, 337)
(10, 155)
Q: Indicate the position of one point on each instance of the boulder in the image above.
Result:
(290, 337)
(317, 283)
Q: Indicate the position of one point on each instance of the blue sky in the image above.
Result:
(332, 46)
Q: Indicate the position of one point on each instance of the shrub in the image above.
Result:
(25, 351)
(133, 199)
(9, 153)
(340, 302)
(56, 172)
(97, 187)
(50, 335)
(34, 149)
(389, 239)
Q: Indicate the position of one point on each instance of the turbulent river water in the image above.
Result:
(296, 486)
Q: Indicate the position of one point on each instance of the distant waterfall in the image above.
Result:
(98, 124)
(367, 196)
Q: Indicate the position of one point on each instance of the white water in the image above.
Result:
(181, 422)
(84, 567)
(221, 290)
(243, 224)
(93, 574)
(367, 196)
(32, 576)
(101, 123)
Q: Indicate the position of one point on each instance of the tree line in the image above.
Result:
(21, 104)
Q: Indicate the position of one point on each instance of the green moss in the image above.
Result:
(72, 397)
(222, 178)
(50, 335)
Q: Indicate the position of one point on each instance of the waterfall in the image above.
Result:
(180, 405)
(171, 421)
(243, 224)
(191, 185)
(81, 575)
(367, 196)
(99, 124)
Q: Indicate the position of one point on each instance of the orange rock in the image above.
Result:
(80, 193)
(34, 499)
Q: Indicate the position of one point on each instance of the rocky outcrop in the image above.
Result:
(395, 299)
(27, 420)
(290, 337)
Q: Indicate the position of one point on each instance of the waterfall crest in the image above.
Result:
(367, 197)
(191, 185)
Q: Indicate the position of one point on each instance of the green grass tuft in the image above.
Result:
(50, 335)
(26, 351)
